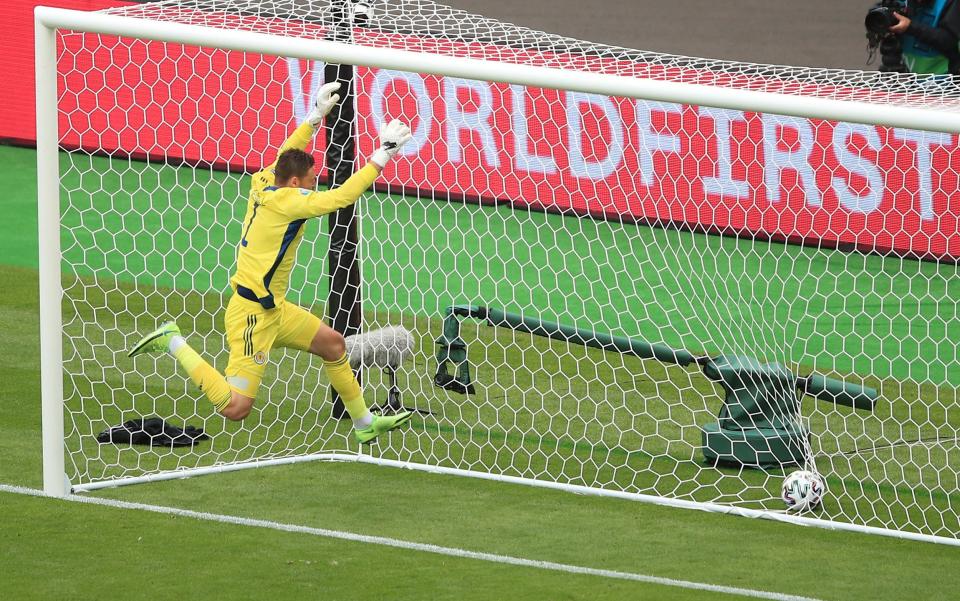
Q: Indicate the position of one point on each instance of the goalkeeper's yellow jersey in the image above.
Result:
(273, 225)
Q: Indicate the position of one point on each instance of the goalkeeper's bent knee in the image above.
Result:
(237, 407)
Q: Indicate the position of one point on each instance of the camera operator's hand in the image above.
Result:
(902, 24)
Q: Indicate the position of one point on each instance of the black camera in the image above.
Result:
(878, 22)
(880, 18)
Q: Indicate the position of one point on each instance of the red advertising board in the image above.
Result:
(746, 173)
(18, 109)
(749, 174)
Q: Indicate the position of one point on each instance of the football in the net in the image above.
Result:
(802, 490)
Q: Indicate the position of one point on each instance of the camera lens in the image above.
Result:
(879, 19)
(891, 46)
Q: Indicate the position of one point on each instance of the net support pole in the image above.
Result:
(51, 292)
(343, 302)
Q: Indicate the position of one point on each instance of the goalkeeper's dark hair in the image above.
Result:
(292, 163)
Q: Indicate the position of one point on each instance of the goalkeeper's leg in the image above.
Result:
(167, 339)
(302, 330)
(329, 345)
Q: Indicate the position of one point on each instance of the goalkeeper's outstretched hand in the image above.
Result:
(326, 100)
(392, 136)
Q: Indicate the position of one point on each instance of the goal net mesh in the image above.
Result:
(816, 246)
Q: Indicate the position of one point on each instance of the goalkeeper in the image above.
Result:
(258, 317)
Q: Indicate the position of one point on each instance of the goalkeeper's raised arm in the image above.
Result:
(327, 98)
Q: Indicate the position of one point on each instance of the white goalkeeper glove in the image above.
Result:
(392, 136)
(326, 100)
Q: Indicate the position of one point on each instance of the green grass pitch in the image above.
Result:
(95, 550)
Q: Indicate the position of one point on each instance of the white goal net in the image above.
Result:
(634, 290)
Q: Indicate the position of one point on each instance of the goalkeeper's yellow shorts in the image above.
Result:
(252, 331)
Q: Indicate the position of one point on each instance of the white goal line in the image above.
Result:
(414, 546)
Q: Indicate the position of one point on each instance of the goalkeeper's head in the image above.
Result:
(295, 169)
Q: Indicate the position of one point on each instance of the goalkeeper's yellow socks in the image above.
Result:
(210, 381)
(346, 385)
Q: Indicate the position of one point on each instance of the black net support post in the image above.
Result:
(452, 351)
(343, 303)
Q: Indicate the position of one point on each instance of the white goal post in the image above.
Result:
(908, 106)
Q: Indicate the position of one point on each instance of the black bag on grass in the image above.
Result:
(152, 431)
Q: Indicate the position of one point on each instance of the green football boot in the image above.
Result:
(157, 341)
(381, 424)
